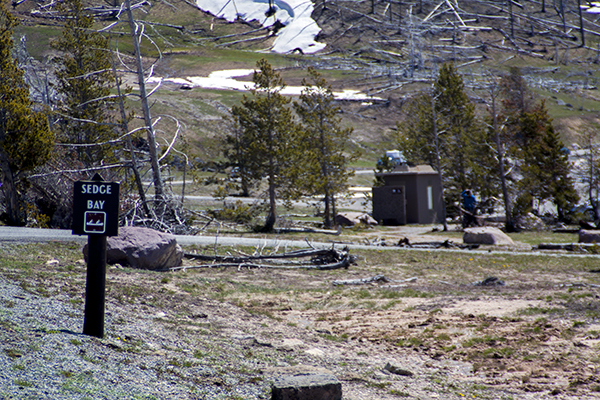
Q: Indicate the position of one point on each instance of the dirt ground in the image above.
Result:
(431, 321)
(535, 336)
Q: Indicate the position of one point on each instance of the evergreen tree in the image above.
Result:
(517, 98)
(268, 134)
(464, 139)
(85, 79)
(442, 131)
(546, 166)
(540, 166)
(321, 169)
(25, 138)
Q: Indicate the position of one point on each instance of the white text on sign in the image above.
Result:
(95, 189)
(95, 205)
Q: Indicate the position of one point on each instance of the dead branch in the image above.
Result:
(373, 279)
(447, 244)
(242, 41)
(320, 259)
(308, 230)
(323, 253)
(232, 35)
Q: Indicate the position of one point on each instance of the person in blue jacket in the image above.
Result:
(469, 205)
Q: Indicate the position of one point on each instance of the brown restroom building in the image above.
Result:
(410, 195)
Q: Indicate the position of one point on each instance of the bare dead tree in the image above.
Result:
(499, 146)
(136, 35)
(134, 161)
(581, 29)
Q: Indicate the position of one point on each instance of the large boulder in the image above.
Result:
(589, 236)
(530, 222)
(142, 248)
(354, 218)
(307, 387)
(486, 235)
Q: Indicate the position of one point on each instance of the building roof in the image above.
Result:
(405, 169)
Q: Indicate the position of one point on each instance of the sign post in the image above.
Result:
(96, 214)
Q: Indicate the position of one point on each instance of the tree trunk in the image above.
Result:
(159, 191)
(581, 30)
(327, 211)
(134, 163)
(272, 213)
(439, 162)
(13, 208)
(512, 21)
(509, 225)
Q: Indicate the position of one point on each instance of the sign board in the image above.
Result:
(96, 207)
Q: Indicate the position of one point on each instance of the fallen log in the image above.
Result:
(447, 244)
(331, 253)
(567, 246)
(344, 263)
(374, 279)
(320, 259)
(308, 230)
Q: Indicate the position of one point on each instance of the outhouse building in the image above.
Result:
(410, 195)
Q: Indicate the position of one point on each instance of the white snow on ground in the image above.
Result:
(223, 80)
(591, 8)
(299, 31)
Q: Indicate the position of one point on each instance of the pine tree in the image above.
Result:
(546, 166)
(268, 134)
(321, 169)
(464, 139)
(25, 138)
(85, 79)
(442, 131)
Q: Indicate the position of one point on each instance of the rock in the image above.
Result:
(289, 344)
(587, 236)
(307, 387)
(299, 369)
(354, 218)
(315, 352)
(530, 222)
(142, 248)
(397, 370)
(490, 281)
(486, 235)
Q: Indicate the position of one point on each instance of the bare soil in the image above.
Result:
(536, 336)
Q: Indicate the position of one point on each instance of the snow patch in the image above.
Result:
(591, 8)
(223, 80)
(300, 29)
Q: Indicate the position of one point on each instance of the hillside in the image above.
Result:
(383, 48)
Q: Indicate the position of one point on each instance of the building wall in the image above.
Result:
(422, 197)
(389, 205)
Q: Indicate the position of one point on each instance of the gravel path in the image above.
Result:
(45, 357)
